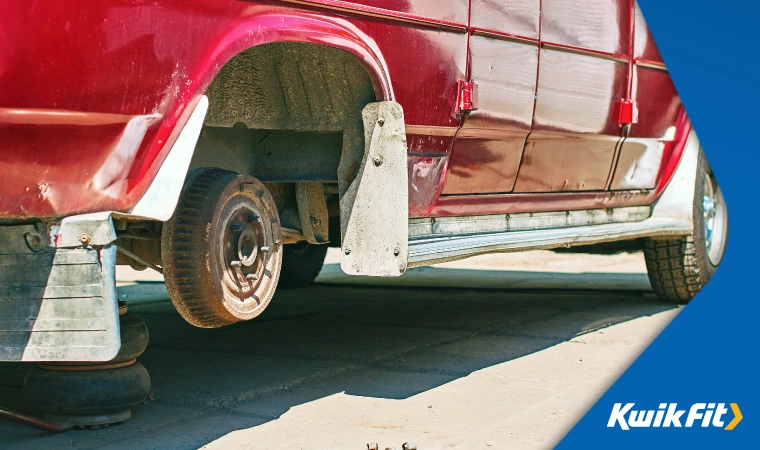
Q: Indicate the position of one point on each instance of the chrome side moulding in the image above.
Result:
(467, 225)
(437, 250)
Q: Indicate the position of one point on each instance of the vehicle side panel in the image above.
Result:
(583, 73)
(651, 139)
(488, 148)
(503, 63)
(92, 96)
(450, 11)
(74, 65)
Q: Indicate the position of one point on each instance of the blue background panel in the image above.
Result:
(709, 352)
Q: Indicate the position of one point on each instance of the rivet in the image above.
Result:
(396, 251)
(85, 238)
(377, 160)
(402, 268)
(381, 121)
(347, 251)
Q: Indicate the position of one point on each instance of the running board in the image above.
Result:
(426, 251)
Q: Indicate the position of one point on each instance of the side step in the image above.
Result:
(426, 251)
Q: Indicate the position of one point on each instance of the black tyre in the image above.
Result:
(134, 338)
(222, 249)
(85, 392)
(301, 263)
(679, 268)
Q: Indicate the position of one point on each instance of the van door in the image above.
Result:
(661, 116)
(503, 61)
(583, 73)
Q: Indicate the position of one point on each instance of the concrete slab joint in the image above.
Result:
(374, 209)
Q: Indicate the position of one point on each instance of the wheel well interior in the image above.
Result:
(287, 112)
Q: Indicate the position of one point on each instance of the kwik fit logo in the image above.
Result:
(668, 415)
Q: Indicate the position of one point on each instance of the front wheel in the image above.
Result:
(679, 268)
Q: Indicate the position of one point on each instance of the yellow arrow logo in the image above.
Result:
(737, 417)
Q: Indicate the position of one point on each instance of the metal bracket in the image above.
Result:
(467, 97)
(312, 208)
(626, 112)
(82, 230)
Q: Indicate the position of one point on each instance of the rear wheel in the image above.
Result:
(679, 268)
(301, 263)
(222, 249)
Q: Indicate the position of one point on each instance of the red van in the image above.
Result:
(226, 144)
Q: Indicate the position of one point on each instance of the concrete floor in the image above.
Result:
(458, 356)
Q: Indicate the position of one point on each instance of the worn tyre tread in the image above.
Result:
(673, 269)
(679, 268)
(180, 262)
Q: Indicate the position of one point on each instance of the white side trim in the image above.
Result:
(677, 202)
(161, 198)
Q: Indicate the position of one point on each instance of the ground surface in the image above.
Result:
(465, 355)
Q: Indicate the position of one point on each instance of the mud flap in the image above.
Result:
(375, 208)
(58, 299)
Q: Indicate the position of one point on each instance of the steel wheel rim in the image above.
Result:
(715, 220)
(244, 252)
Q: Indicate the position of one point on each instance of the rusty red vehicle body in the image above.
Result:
(226, 143)
(546, 134)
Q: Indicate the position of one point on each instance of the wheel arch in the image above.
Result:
(299, 27)
(248, 33)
